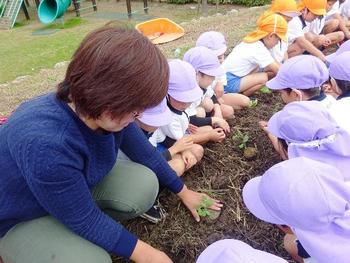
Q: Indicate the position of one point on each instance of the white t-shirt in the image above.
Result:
(246, 57)
(156, 137)
(328, 102)
(340, 112)
(177, 127)
(316, 26)
(279, 51)
(295, 29)
(345, 9)
(334, 10)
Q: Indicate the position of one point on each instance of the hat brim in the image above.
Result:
(187, 96)
(156, 120)
(331, 57)
(273, 125)
(252, 201)
(220, 51)
(318, 12)
(282, 37)
(275, 84)
(214, 72)
(291, 13)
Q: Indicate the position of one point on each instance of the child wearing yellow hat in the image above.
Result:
(326, 31)
(288, 9)
(252, 54)
(297, 27)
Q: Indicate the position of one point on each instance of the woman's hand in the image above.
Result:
(192, 200)
(144, 253)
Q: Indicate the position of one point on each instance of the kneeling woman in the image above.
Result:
(60, 185)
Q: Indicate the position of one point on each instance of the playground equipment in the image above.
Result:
(9, 11)
(50, 10)
(160, 30)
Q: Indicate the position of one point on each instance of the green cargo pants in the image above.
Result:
(129, 190)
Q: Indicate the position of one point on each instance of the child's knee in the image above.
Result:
(227, 111)
(178, 165)
(207, 104)
(200, 112)
(340, 36)
(198, 151)
(333, 25)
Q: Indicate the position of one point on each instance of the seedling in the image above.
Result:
(202, 209)
(253, 103)
(265, 90)
(243, 139)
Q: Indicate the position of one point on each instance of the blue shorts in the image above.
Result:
(233, 83)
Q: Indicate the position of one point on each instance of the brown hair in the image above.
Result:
(115, 70)
(309, 92)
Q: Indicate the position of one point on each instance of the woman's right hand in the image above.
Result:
(144, 253)
(217, 135)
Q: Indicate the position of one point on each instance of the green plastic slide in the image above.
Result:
(49, 10)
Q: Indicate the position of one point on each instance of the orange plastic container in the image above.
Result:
(160, 30)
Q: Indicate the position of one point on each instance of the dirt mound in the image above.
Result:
(222, 173)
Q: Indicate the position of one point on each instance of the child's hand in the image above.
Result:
(219, 89)
(325, 41)
(189, 159)
(218, 122)
(217, 135)
(193, 129)
(183, 144)
(263, 126)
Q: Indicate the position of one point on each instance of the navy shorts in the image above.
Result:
(301, 251)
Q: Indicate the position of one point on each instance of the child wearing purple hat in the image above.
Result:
(216, 42)
(235, 251)
(311, 198)
(307, 129)
(183, 91)
(184, 154)
(207, 67)
(300, 78)
(340, 74)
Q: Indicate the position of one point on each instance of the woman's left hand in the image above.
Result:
(192, 200)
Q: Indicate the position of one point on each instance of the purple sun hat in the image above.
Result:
(235, 251)
(183, 85)
(204, 60)
(310, 131)
(300, 72)
(340, 67)
(213, 40)
(343, 48)
(157, 116)
(312, 198)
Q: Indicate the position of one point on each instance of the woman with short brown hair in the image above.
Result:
(58, 157)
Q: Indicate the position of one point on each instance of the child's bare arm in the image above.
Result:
(308, 46)
(215, 135)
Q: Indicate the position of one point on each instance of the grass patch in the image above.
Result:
(24, 54)
(70, 23)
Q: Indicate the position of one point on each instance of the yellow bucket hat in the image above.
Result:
(268, 23)
(317, 7)
(285, 7)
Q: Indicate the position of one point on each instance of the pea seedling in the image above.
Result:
(202, 209)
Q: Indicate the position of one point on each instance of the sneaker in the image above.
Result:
(155, 214)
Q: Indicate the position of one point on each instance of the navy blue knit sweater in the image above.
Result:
(49, 162)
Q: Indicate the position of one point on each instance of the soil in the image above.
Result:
(222, 173)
